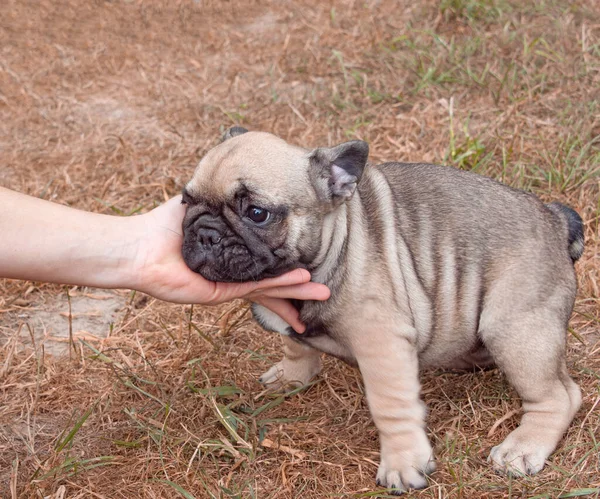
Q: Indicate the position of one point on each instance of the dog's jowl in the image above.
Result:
(428, 266)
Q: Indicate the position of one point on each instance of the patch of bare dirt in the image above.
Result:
(54, 320)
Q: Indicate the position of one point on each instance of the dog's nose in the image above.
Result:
(209, 237)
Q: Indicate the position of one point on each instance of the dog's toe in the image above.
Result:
(399, 481)
(287, 374)
(515, 460)
(391, 480)
(273, 378)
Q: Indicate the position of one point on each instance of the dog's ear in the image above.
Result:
(233, 132)
(336, 170)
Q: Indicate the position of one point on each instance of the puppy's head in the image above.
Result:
(256, 204)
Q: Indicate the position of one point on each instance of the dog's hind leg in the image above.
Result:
(530, 349)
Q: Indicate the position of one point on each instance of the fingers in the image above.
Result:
(283, 309)
(296, 276)
(174, 211)
(306, 291)
(228, 291)
(174, 200)
(173, 204)
(276, 300)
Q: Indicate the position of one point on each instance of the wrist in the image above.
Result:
(106, 257)
(126, 253)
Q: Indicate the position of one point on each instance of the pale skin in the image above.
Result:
(48, 242)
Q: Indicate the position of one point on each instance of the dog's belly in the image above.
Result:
(463, 354)
(479, 358)
(458, 351)
(475, 358)
(454, 352)
(316, 335)
(326, 343)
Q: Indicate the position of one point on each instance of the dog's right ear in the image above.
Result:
(233, 132)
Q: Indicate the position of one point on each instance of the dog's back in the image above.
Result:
(471, 243)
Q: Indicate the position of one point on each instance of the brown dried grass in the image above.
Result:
(107, 106)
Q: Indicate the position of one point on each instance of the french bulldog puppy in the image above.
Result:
(428, 266)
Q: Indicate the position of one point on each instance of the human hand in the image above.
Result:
(158, 269)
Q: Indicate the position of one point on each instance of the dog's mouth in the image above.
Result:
(232, 262)
(217, 273)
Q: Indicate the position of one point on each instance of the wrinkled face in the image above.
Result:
(255, 206)
(251, 212)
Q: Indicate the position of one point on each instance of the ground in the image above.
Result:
(108, 105)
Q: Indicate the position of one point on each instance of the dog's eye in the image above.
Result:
(259, 216)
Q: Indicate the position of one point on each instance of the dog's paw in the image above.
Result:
(407, 470)
(517, 458)
(289, 374)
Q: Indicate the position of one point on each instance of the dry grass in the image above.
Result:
(107, 106)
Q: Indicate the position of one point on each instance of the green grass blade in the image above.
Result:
(580, 493)
(79, 423)
(178, 488)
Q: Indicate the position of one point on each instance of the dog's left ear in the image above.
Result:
(233, 132)
(336, 170)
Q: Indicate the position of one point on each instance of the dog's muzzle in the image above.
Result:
(214, 251)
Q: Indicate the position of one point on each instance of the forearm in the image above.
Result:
(44, 241)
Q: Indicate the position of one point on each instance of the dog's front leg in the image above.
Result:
(299, 365)
(390, 371)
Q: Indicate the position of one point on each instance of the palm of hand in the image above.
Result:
(162, 272)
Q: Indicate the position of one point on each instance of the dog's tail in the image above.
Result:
(574, 226)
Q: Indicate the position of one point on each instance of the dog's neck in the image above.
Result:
(334, 234)
(342, 229)
(346, 222)
(338, 226)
